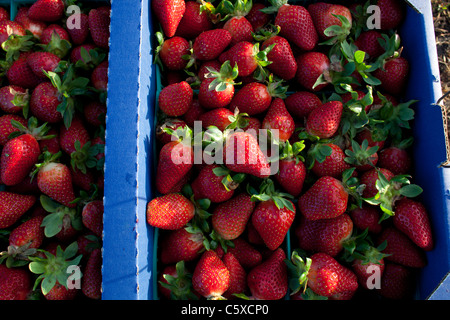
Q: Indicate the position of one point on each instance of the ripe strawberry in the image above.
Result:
(95, 112)
(211, 278)
(46, 10)
(91, 285)
(13, 206)
(367, 41)
(61, 293)
(210, 44)
(178, 245)
(392, 13)
(175, 161)
(20, 74)
(194, 21)
(324, 121)
(292, 170)
(324, 235)
(296, 24)
(99, 20)
(238, 276)
(78, 34)
(253, 98)
(396, 160)
(8, 28)
(396, 282)
(4, 14)
(29, 233)
(35, 27)
(176, 99)
(169, 14)
(76, 132)
(369, 178)
(411, 218)
(99, 76)
(322, 16)
(18, 157)
(6, 128)
(209, 185)
(44, 103)
(172, 51)
(170, 211)
(15, 283)
(92, 216)
(48, 32)
(310, 66)
(256, 17)
(326, 199)
(269, 280)
(239, 28)
(278, 118)
(242, 154)
(333, 165)
(372, 138)
(368, 266)
(393, 75)
(230, 218)
(11, 93)
(248, 256)
(367, 217)
(401, 249)
(170, 123)
(284, 64)
(219, 117)
(301, 103)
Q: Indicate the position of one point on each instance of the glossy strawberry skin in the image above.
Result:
(283, 63)
(29, 232)
(394, 77)
(322, 16)
(172, 51)
(278, 118)
(170, 212)
(210, 44)
(211, 278)
(242, 54)
(291, 176)
(44, 102)
(169, 14)
(54, 180)
(253, 98)
(324, 121)
(193, 21)
(238, 276)
(333, 165)
(99, 20)
(174, 100)
(46, 10)
(15, 283)
(212, 99)
(240, 29)
(301, 103)
(310, 66)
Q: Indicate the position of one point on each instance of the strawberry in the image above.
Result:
(170, 123)
(170, 211)
(411, 218)
(46, 10)
(369, 179)
(327, 198)
(13, 206)
(292, 170)
(395, 159)
(194, 21)
(4, 14)
(323, 274)
(230, 218)
(175, 283)
(296, 24)
(253, 98)
(11, 93)
(372, 138)
(211, 278)
(35, 27)
(322, 16)
(367, 41)
(28, 233)
(95, 112)
(6, 128)
(15, 283)
(92, 216)
(242, 154)
(301, 103)
(248, 256)
(98, 20)
(206, 67)
(99, 76)
(279, 119)
(333, 165)
(18, 157)
(219, 117)
(92, 276)
(239, 28)
(269, 280)
(283, 63)
(401, 249)
(49, 31)
(393, 75)
(59, 292)
(180, 245)
(78, 34)
(171, 52)
(392, 13)
(311, 66)
(256, 17)
(20, 74)
(238, 276)
(44, 103)
(8, 28)
(175, 99)
(396, 282)
(208, 184)
(76, 132)
(367, 217)
(169, 14)
(325, 235)
(210, 44)
(324, 121)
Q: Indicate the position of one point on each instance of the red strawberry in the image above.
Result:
(411, 218)
(371, 137)
(13, 206)
(242, 154)
(29, 233)
(91, 285)
(211, 278)
(209, 185)
(256, 17)
(239, 28)
(367, 41)
(292, 171)
(230, 218)
(6, 128)
(392, 13)
(395, 159)
(369, 178)
(248, 256)
(210, 44)
(253, 98)
(333, 165)
(76, 132)
(194, 21)
(99, 20)
(269, 280)
(18, 157)
(16, 93)
(301, 103)
(92, 216)
(238, 276)
(95, 112)
(171, 123)
(44, 102)
(178, 245)
(175, 161)
(48, 32)
(324, 121)
(296, 25)
(401, 249)
(169, 14)
(176, 99)
(99, 76)
(283, 61)
(397, 282)
(326, 199)
(8, 28)
(4, 14)
(205, 68)
(60, 292)
(367, 217)
(172, 51)
(170, 211)
(35, 27)
(369, 268)
(46, 10)
(20, 74)
(278, 118)
(325, 235)
(393, 75)
(219, 117)
(78, 33)
(15, 283)
(322, 16)
(310, 66)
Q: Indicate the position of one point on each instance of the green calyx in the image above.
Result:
(38, 132)
(317, 152)
(290, 151)
(90, 59)
(226, 75)
(354, 116)
(85, 157)
(62, 268)
(15, 256)
(267, 192)
(275, 5)
(229, 181)
(274, 86)
(16, 44)
(198, 224)
(338, 33)
(180, 286)
(361, 154)
(262, 61)
(57, 46)
(227, 9)
(298, 268)
(266, 33)
(360, 246)
(59, 216)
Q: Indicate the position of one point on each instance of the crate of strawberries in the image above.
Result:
(297, 151)
(53, 94)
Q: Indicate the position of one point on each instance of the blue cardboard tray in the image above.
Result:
(128, 243)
